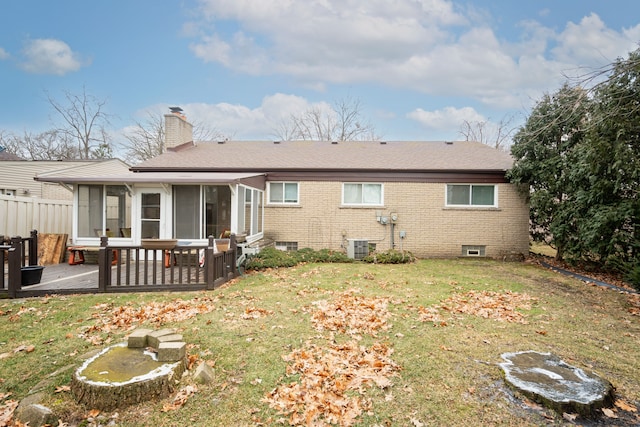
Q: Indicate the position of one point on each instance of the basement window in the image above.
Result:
(473, 251)
(287, 246)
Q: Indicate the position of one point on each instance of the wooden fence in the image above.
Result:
(19, 215)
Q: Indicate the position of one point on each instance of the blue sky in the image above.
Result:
(418, 67)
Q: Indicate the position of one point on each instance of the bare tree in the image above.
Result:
(85, 122)
(48, 145)
(496, 135)
(146, 138)
(205, 132)
(342, 122)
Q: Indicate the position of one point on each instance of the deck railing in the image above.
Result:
(189, 267)
(15, 253)
(129, 268)
(28, 247)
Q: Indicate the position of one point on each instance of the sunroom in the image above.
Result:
(189, 207)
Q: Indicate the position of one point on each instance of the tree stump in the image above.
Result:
(120, 376)
(546, 379)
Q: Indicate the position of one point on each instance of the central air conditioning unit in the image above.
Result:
(357, 248)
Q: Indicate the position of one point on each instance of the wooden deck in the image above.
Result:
(132, 269)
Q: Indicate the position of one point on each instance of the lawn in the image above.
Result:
(351, 344)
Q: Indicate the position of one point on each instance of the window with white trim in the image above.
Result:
(481, 195)
(103, 210)
(362, 194)
(284, 193)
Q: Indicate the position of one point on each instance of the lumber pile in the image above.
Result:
(51, 248)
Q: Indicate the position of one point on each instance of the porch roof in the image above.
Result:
(252, 179)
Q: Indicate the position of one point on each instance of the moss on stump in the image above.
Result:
(120, 376)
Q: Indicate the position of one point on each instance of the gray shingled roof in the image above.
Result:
(324, 155)
(6, 156)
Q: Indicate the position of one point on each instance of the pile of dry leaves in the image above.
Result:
(501, 306)
(352, 314)
(332, 379)
(7, 407)
(109, 318)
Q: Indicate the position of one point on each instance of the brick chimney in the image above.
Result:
(177, 130)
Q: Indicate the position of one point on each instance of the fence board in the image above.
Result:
(20, 215)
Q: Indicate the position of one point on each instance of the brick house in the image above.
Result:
(435, 199)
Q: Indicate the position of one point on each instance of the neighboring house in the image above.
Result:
(5, 155)
(27, 204)
(439, 199)
(16, 178)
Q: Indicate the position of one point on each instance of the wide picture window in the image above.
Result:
(283, 193)
(362, 194)
(471, 195)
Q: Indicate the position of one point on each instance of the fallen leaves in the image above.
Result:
(255, 313)
(352, 314)
(20, 349)
(625, 406)
(6, 409)
(180, 398)
(331, 381)
(501, 306)
(431, 314)
(62, 389)
(109, 318)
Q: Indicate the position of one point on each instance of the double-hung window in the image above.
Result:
(480, 195)
(284, 193)
(362, 194)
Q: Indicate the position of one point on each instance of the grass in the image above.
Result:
(448, 376)
(542, 249)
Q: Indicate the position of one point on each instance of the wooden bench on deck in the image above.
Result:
(76, 254)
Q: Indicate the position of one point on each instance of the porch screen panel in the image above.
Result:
(247, 211)
(217, 209)
(240, 213)
(260, 211)
(186, 211)
(90, 203)
(118, 218)
(255, 212)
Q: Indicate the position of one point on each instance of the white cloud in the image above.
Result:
(3, 54)
(591, 42)
(446, 119)
(242, 122)
(50, 56)
(431, 46)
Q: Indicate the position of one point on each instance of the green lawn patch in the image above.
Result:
(385, 344)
